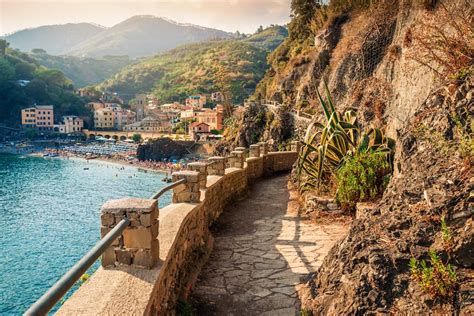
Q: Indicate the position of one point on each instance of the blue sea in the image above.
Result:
(50, 217)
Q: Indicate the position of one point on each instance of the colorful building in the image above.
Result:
(71, 124)
(196, 101)
(104, 118)
(40, 117)
(212, 118)
(199, 131)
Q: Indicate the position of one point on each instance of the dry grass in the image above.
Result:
(443, 40)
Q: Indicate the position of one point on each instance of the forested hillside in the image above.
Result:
(234, 65)
(23, 82)
(83, 71)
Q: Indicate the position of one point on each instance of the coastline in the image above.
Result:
(120, 162)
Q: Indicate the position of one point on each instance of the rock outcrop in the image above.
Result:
(368, 271)
(162, 148)
(371, 62)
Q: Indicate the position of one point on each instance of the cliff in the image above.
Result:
(396, 63)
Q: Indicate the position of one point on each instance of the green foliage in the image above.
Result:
(84, 278)
(137, 138)
(362, 177)
(306, 312)
(446, 235)
(31, 134)
(234, 66)
(83, 71)
(436, 279)
(185, 308)
(462, 143)
(339, 139)
(46, 86)
(302, 12)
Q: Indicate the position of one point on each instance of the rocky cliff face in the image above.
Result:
(373, 63)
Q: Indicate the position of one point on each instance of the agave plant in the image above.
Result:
(326, 150)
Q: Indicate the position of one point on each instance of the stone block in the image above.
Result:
(108, 257)
(107, 219)
(254, 150)
(144, 258)
(179, 188)
(123, 256)
(263, 148)
(296, 146)
(139, 237)
(190, 176)
(127, 205)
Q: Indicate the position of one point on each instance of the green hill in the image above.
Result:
(83, 71)
(270, 38)
(237, 64)
(23, 82)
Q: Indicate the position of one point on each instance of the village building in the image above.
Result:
(199, 131)
(212, 118)
(104, 118)
(92, 106)
(196, 101)
(140, 105)
(40, 117)
(150, 124)
(71, 124)
(217, 97)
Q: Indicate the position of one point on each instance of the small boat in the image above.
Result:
(86, 168)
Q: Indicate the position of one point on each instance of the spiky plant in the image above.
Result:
(339, 139)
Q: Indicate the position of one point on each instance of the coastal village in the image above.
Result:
(200, 118)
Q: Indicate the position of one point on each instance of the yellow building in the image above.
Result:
(40, 117)
(104, 119)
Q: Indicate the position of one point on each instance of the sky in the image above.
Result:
(228, 15)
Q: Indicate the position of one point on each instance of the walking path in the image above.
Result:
(262, 250)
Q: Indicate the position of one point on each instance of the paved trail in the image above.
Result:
(262, 249)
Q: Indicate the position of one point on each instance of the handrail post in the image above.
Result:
(296, 146)
(217, 166)
(237, 159)
(263, 148)
(138, 244)
(188, 192)
(254, 150)
(200, 167)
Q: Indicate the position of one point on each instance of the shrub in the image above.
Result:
(327, 149)
(437, 279)
(362, 177)
(447, 237)
(136, 138)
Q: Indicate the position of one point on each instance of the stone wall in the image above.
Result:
(184, 239)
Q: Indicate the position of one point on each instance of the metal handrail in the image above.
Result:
(46, 302)
(157, 195)
(54, 294)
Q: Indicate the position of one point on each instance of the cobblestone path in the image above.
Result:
(262, 249)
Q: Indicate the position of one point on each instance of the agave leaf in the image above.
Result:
(326, 110)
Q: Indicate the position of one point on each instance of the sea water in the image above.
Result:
(50, 217)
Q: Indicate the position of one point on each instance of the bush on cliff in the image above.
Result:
(333, 145)
(363, 177)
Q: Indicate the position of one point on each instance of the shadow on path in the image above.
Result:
(262, 249)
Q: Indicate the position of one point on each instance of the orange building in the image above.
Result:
(40, 117)
(212, 118)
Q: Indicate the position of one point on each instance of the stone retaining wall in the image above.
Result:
(184, 237)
